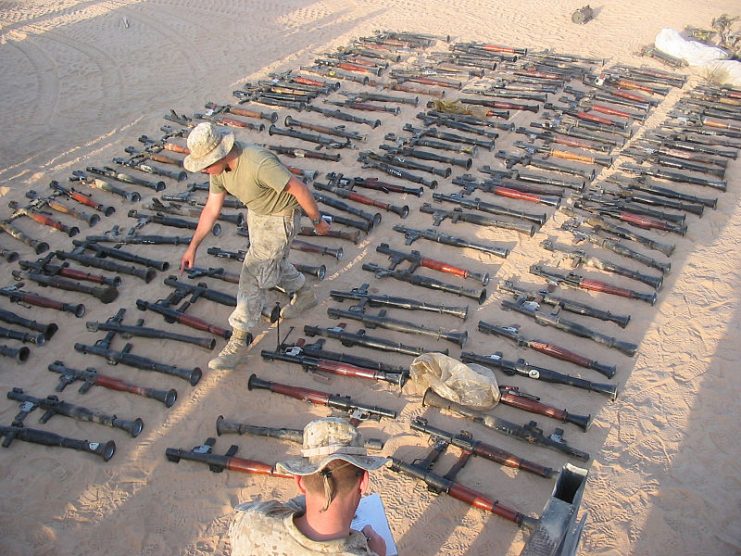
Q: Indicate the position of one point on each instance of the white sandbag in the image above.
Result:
(695, 53)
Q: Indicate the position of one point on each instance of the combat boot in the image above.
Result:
(302, 300)
(234, 352)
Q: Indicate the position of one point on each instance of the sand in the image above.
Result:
(83, 79)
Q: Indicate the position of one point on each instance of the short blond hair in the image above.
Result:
(337, 477)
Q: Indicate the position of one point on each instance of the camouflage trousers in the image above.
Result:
(265, 265)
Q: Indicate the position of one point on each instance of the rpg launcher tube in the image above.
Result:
(126, 178)
(618, 247)
(146, 274)
(317, 271)
(36, 436)
(39, 218)
(102, 251)
(81, 198)
(53, 406)
(523, 368)
(223, 426)
(114, 357)
(38, 246)
(437, 483)
(307, 247)
(548, 319)
(335, 367)
(338, 131)
(48, 330)
(310, 137)
(544, 296)
(316, 397)
(416, 259)
(512, 396)
(105, 295)
(575, 281)
(43, 267)
(37, 339)
(217, 463)
(491, 208)
(372, 183)
(316, 350)
(144, 332)
(529, 433)
(350, 339)
(19, 354)
(373, 219)
(397, 172)
(457, 215)
(174, 315)
(399, 302)
(412, 234)
(15, 295)
(91, 377)
(95, 183)
(353, 237)
(339, 219)
(402, 211)
(465, 441)
(405, 276)
(458, 338)
(200, 290)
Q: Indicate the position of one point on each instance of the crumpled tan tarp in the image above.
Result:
(470, 385)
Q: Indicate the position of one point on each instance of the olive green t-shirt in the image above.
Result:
(259, 181)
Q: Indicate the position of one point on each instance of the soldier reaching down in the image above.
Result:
(332, 476)
(274, 198)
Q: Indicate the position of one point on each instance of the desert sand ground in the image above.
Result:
(83, 79)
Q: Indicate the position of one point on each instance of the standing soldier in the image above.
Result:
(274, 198)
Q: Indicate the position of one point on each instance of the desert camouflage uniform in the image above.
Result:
(265, 265)
(273, 219)
(268, 529)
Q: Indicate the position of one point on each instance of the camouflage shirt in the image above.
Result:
(268, 529)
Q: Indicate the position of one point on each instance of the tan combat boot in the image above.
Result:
(302, 300)
(234, 352)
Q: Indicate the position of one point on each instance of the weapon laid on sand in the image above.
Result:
(421, 469)
(17, 295)
(101, 348)
(360, 338)
(37, 436)
(411, 235)
(224, 426)
(54, 406)
(466, 442)
(529, 433)
(363, 296)
(217, 463)
(544, 295)
(552, 350)
(91, 377)
(381, 321)
(356, 411)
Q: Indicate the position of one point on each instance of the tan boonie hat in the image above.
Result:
(207, 144)
(326, 440)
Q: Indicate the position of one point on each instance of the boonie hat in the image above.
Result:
(326, 440)
(207, 144)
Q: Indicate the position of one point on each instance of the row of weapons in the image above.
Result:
(325, 363)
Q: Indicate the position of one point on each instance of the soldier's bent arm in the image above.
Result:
(306, 200)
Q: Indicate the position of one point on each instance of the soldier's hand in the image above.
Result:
(187, 260)
(375, 541)
(322, 228)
